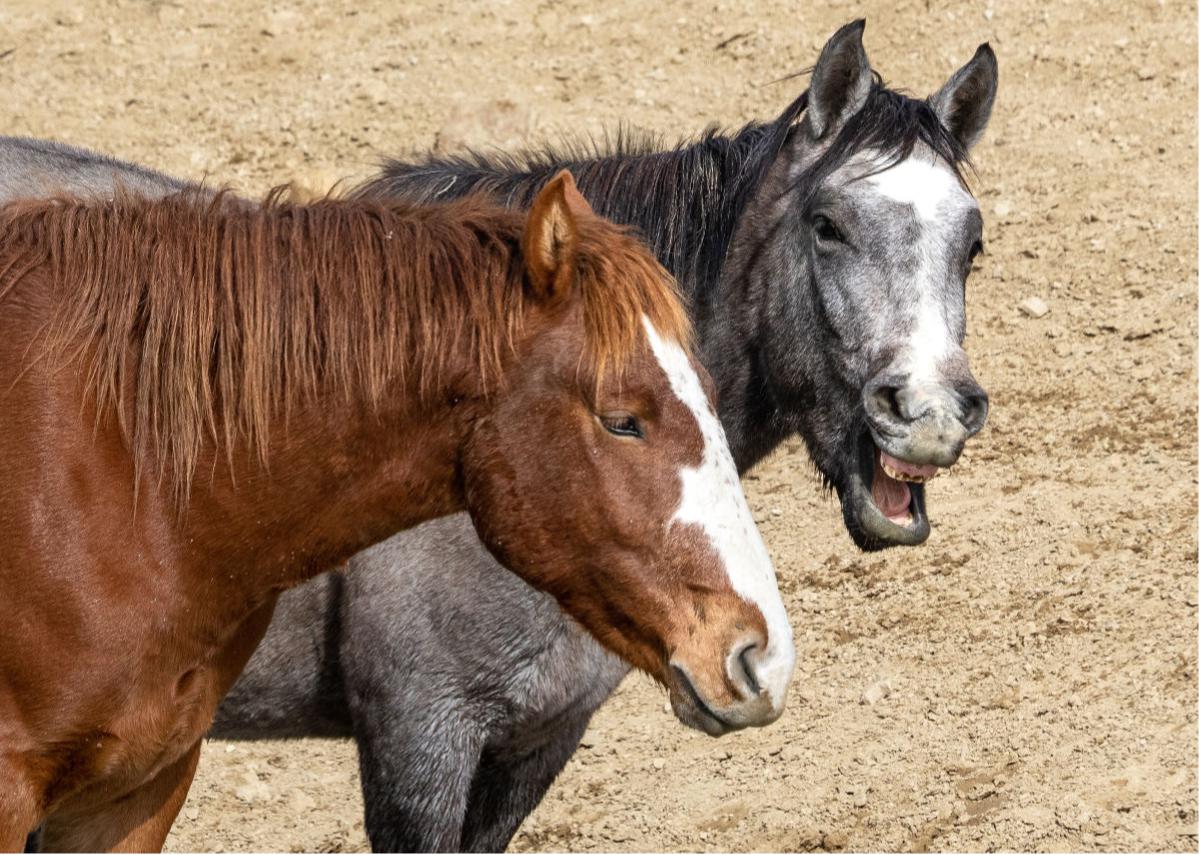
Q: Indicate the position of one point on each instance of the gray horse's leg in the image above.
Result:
(416, 775)
(507, 789)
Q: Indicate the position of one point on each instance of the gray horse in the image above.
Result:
(31, 168)
(826, 254)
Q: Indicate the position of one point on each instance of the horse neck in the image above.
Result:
(340, 476)
(758, 305)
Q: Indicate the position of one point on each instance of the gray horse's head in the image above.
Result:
(866, 233)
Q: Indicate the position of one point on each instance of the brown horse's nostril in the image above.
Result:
(742, 674)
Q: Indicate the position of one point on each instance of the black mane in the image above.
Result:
(684, 201)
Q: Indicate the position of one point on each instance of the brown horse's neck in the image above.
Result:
(300, 377)
(338, 478)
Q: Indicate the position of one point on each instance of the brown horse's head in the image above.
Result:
(601, 474)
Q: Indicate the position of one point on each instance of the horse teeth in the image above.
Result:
(901, 476)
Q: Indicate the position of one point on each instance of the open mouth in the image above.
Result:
(885, 501)
(891, 486)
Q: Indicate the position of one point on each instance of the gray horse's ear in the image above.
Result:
(964, 103)
(841, 80)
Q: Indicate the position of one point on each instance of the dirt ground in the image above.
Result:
(1041, 649)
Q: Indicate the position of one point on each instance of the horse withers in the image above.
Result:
(186, 383)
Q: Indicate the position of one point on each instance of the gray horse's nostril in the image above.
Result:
(975, 409)
(883, 401)
(887, 400)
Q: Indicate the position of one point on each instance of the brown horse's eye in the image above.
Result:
(623, 425)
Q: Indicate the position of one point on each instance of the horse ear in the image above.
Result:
(551, 235)
(964, 103)
(841, 80)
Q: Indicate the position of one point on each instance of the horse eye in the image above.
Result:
(622, 425)
(826, 229)
(976, 249)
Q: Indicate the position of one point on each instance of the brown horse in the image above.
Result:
(204, 403)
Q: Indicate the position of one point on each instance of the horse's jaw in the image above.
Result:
(880, 510)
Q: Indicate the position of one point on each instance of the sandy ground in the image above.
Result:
(1040, 650)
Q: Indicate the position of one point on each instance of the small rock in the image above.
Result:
(794, 752)
(721, 755)
(1034, 307)
(834, 841)
(659, 764)
(282, 21)
(860, 799)
(301, 802)
(252, 789)
(1145, 73)
(876, 692)
(1002, 208)
(1035, 815)
(192, 813)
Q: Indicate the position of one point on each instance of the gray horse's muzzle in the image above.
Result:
(924, 423)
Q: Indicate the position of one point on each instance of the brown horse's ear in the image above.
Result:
(551, 236)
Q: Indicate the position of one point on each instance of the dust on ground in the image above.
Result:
(1033, 668)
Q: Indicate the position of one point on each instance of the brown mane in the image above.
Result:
(212, 316)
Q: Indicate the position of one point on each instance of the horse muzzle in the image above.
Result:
(750, 689)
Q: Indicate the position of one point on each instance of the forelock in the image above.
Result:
(889, 126)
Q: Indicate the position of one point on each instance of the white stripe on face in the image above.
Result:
(713, 499)
(930, 186)
(925, 182)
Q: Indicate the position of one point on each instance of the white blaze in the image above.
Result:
(930, 186)
(713, 499)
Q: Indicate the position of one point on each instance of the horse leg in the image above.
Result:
(416, 772)
(506, 790)
(138, 822)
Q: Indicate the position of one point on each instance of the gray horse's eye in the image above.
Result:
(826, 229)
(976, 249)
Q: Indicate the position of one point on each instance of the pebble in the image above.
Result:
(1035, 815)
(795, 752)
(659, 764)
(833, 841)
(252, 789)
(876, 692)
(1034, 307)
